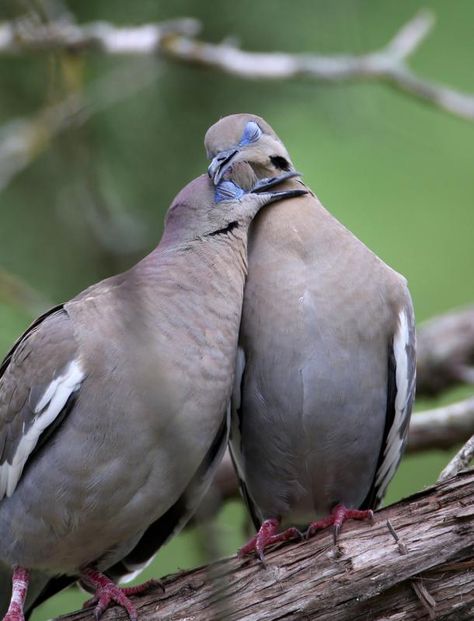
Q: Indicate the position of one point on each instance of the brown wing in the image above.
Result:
(39, 378)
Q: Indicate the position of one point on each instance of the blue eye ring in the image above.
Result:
(252, 133)
(227, 191)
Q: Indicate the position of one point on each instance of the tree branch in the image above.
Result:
(445, 352)
(369, 576)
(176, 40)
(460, 461)
(441, 428)
(26, 36)
(22, 140)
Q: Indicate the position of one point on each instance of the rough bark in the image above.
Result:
(428, 573)
(460, 461)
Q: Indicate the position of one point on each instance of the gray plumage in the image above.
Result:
(326, 365)
(113, 406)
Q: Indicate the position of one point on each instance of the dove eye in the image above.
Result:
(252, 133)
(280, 162)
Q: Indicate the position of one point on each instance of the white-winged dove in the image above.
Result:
(113, 406)
(326, 365)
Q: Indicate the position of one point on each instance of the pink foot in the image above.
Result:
(107, 592)
(267, 536)
(338, 516)
(20, 581)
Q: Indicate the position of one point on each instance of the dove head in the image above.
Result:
(244, 138)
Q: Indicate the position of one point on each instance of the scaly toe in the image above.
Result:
(111, 595)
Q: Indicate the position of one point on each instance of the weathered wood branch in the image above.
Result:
(428, 573)
(176, 41)
(460, 461)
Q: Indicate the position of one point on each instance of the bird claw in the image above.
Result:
(108, 594)
(268, 535)
(339, 515)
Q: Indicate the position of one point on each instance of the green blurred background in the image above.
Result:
(398, 173)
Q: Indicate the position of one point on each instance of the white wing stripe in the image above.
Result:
(47, 409)
(136, 569)
(394, 443)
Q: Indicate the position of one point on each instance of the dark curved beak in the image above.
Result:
(220, 164)
(278, 196)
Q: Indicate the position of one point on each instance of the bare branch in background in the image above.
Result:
(388, 65)
(176, 40)
(445, 354)
(23, 140)
(441, 428)
(26, 35)
(460, 461)
(367, 577)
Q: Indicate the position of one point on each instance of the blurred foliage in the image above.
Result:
(397, 173)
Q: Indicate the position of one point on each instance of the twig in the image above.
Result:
(441, 428)
(22, 140)
(388, 64)
(417, 584)
(176, 41)
(460, 461)
(445, 354)
(400, 545)
(22, 36)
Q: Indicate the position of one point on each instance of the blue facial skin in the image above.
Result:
(228, 191)
(252, 133)
(222, 160)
